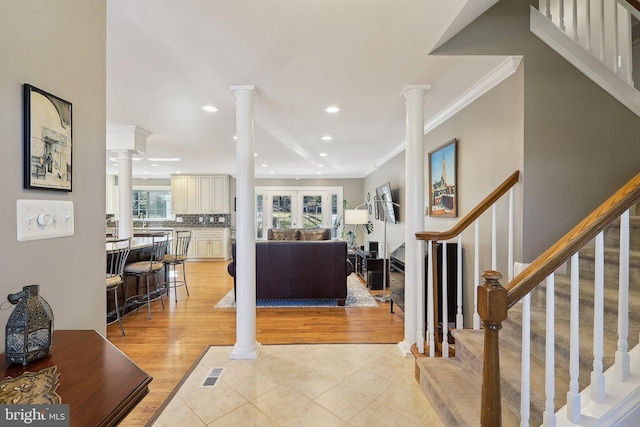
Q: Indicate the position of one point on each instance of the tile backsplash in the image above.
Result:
(188, 221)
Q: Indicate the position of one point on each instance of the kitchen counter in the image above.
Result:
(140, 242)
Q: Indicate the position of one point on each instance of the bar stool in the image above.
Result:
(150, 268)
(117, 253)
(178, 256)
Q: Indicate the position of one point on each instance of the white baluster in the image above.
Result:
(627, 47)
(574, 20)
(597, 376)
(602, 32)
(510, 238)
(445, 303)
(430, 308)
(549, 416)
(525, 385)
(561, 15)
(573, 395)
(622, 354)
(616, 42)
(588, 27)
(476, 275)
(494, 239)
(459, 315)
(545, 8)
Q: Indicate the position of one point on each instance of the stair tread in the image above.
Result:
(462, 407)
(510, 372)
(587, 296)
(562, 327)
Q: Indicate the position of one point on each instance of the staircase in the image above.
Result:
(453, 385)
(599, 37)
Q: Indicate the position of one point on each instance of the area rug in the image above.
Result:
(357, 296)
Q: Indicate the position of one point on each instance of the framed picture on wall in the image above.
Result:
(443, 182)
(47, 140)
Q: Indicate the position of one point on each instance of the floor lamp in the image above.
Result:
(383, 210)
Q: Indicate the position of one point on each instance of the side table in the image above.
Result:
(98, 382)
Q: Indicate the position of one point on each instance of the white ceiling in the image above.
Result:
(167, 58)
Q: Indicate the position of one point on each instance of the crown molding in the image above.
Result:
(488, 82)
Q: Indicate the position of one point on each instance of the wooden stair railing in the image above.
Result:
(635, 4)
(495, 300)
(474, 214)
(434, 236)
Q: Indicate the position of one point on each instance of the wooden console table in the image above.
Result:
(98, 382)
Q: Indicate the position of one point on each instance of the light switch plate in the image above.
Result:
(44, 219)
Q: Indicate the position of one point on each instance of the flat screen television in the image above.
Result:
(385, 203)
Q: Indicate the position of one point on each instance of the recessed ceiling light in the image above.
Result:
(255, 154)
(136, 159)
(164, 159)
(323, 154)
(178, 172)
(271, 173)
(146, 172)
(327, 138)
(320, 165)
(332, 109)
(319, 173)
(265, 165)
(209, 108)
(235, 137)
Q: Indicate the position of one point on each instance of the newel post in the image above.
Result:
(492, 308)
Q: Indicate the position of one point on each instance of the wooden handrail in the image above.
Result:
(574, 240)
(635, 4)
(474, 214)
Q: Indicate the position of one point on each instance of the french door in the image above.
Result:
(296, 208)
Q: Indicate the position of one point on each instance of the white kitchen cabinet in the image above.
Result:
(185, 194)
(200, 194)
(214, 194)
(212, 243)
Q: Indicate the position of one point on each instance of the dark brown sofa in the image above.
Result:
(307, 234)
(299, 270)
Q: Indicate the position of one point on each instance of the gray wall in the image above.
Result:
(59, 47)
(393, 172)
(490, 148)
(580, 144)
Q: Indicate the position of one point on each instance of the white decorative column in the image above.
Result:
(246, 346)
(126, 141)
(414, 218)
(125, 191)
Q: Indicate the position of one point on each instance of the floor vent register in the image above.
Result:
(212, 378)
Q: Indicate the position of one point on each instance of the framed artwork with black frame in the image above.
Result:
(443, 180)
(48, 140)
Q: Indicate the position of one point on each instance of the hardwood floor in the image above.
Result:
(167, 345)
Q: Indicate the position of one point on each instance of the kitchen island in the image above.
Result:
(140, 251)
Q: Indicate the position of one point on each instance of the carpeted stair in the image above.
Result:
(453, 385)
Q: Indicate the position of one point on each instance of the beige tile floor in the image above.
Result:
(303, 386)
